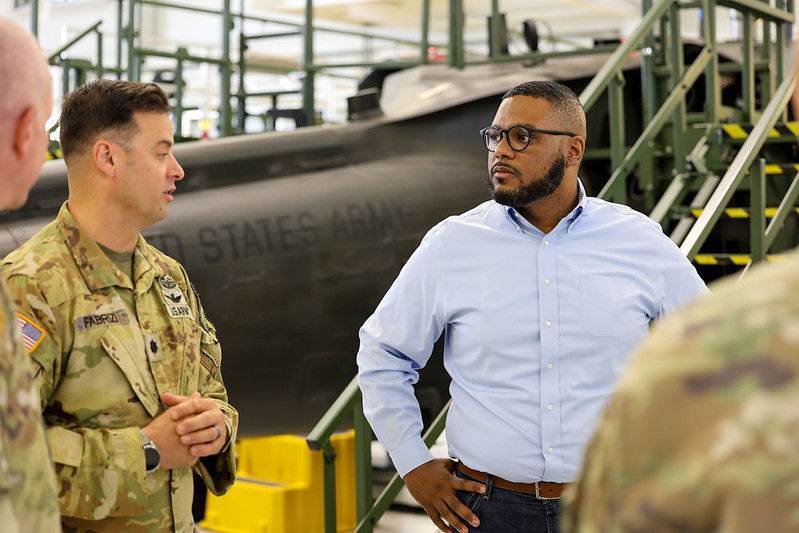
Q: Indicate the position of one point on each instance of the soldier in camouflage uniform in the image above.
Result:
(703, 432)
(28, 501)
(125, 358)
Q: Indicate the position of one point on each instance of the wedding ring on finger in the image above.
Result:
(218, 432)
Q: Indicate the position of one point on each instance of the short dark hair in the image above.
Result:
(102, 105)
(570, 111)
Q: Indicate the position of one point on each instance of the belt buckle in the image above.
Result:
(538, 494)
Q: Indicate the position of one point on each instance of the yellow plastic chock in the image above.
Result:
(279, 488)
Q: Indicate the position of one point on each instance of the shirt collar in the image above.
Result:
(571, 218)
(97, 269)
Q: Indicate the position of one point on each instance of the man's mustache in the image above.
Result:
(504, 165)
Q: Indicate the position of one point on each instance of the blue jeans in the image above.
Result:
(508, 511)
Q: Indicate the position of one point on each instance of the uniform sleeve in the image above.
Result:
(101, 472)
(396, 341)
(218, 471)
(43, 342)
(28, 491)
(694, 438)
(680, 283)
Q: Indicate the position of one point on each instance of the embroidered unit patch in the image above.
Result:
(32, 334)
(175, 302)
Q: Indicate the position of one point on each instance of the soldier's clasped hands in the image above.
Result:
(200, 423)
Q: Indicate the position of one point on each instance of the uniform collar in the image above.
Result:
(97, 269)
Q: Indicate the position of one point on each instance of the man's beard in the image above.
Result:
(538, 189)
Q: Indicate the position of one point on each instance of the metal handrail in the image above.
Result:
(759, 8)
(732, 178)
(55, 57)
(298, 25)
(389, 493)
(657, 123)
(330, 421)
(614, 64)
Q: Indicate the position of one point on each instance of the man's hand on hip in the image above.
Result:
(200, 423)
(433, 485)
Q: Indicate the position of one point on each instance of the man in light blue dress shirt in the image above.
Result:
(542, 293)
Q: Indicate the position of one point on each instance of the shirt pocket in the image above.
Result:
(135, 372)
(210, 353)
(608, 305)
(192, 358)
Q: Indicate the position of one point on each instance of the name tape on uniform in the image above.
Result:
(175, 302)
(114, 318)
(32, 335)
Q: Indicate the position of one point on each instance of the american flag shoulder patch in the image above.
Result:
(32, 334)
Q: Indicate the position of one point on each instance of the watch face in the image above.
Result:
(152, 457)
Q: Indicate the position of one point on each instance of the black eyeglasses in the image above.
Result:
(518, 136)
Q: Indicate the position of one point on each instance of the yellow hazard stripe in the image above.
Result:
(735, 259)
(704, 259)
(735, 131)
(773, 169)
(742, 212)
(741, 131)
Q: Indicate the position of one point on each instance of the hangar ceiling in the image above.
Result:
(564, 18)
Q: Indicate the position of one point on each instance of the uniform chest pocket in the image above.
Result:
(608, 305)
(211, 353)
(192, 359)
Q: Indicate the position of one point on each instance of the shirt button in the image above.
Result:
(550, 449)
(550, 407)
(546, 243)
(549, 365)
(547, 282)
(549, 323)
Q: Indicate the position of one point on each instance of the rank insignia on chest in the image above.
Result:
(175, 302)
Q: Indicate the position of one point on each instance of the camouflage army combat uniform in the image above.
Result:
(703, 433)
(103, 351)
(27, 484)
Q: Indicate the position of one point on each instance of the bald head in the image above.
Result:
(25, 106)
(24, 74)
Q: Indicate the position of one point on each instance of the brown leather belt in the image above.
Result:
(543, 490)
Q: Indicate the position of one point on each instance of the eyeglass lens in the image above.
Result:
(518, 138)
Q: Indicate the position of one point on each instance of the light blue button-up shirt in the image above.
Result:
(537, 329)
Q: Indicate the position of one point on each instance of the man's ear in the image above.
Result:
(23, 133)
(105, 157)
(576, 150)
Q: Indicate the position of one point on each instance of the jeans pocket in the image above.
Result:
(470, 499)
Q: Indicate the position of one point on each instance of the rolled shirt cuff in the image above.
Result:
(229, 428)
(409, 455)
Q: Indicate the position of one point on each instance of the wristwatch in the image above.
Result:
(152, 457)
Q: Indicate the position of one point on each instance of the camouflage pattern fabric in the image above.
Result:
(103, 350)
(27, 484)
(703, 432)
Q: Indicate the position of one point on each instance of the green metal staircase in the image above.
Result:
(712, 177)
